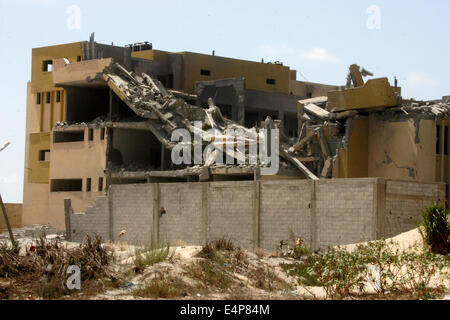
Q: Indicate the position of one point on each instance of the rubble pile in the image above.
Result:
(438, 110)
(100, 121)
(167, 111)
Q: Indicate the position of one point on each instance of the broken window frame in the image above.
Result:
(42, 155)
(446, 141)
(58, 96)
(438, 139)
(68, 136)
(100, 184)
(90, 134)
(205, 72)
(271, 81)
(88, 184)
(66, 185)
(47, 66)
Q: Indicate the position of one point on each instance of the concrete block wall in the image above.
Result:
(230, 209)
(405, 201)
(131, 208)
(95, 221)
(182, 222)
(285, 212)
(258, 213)
(345, 211)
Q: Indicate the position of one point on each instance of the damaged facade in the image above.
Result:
(103, 116)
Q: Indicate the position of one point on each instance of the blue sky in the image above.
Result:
(318, 38)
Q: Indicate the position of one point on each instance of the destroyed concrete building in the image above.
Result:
(100, 121)
(62, 93)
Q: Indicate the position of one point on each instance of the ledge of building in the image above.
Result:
(80, 74)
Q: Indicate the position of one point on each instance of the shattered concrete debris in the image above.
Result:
(167, 111)
(314, 118)
(33, 231)
(101, 121)
(439, 110)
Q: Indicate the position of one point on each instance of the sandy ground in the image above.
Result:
(184, 255)
(404, 240)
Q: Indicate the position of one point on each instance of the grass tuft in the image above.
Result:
(150, 255)
(435, 229)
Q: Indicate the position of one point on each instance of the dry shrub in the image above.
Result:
(210, 274)
(208, 252)
(162, 286)
(212, 249)
(223, 244)
(43, 267)
(264, 277)
(221, 259)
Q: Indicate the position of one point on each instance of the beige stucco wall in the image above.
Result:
(301, 88)
(35, 195)
(255, 73)
(76, 160)
(394, 153)
(14, 211)
(43, 81)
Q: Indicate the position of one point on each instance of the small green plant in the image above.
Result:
(418, 269)
(342, 273)
(150, 255)
(385, 256)
(337, 270)
(435, 229)
(303, 272)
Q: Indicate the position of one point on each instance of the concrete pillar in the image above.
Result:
(257, 215)
(281, 116)
(156, 214)
(300, 111)
(379, 214)
(163, 158)
(113, 104)
(67, 212)
(204, 211)
(314, 224)
(241, 109)
(110, 214)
